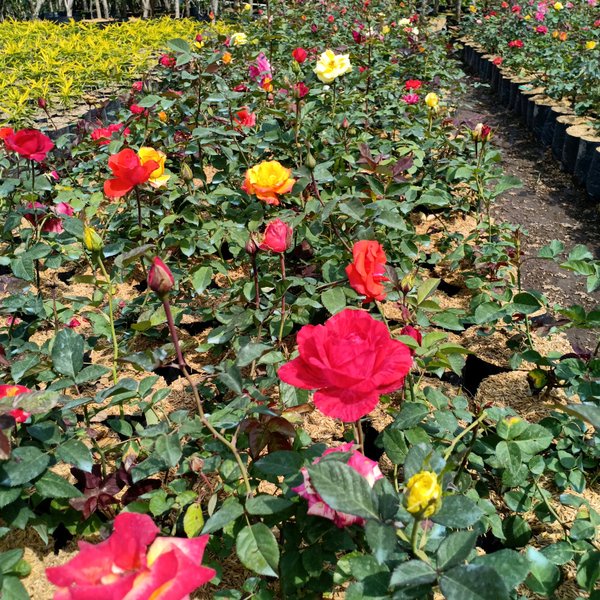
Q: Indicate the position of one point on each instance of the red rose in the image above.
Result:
(10, 391)
(367, 271)
(29, 143)
(167, 61)
(278, 237)
(413, 84)
(515, 44)
(331, 18)
(245, 118)
(350, 361)
(299, 55)
(128, 171)
(137, 110)
(5, 132)
(414, 333)
(300, 89)
(104, 135)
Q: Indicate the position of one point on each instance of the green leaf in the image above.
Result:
(473, 582)
(334, 299)
(426, 289)
(381, 539)
(281, 462)
(229, 512)
(525, 303)
(75, 453)
(201, 279)
(457, 512)
(258, 550)
(149, 101)
(251, 352)
(516, 530)
(25, 464)
(67, 353)
(412, 573)
(51, 485)
(455, 549)
(267, 505)
(395, 445)
(13, 588)
(168, 449)
(588, 570)
(509, 564)
(342, 488)
(193, 520)
(544, 576)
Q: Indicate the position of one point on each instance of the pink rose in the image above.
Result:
(278, 237)
(350, 360)
(411, 98)
(317, 507)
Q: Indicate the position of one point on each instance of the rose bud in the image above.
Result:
(160, 278)
(251, 246)
(278, 237)
(91, 240)
(42, 103)
(311, 161)
(186, 172)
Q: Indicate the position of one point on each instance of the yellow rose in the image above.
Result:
(590, 45)
(385, 29)
(432, 100)
(267, 180)
(527, 17)
(91, 240)
(157, 177)
(330, 66)
(403, 22)
(558, 6)
(473, 8)
(247, 7)
(238, 39)
(423, 496)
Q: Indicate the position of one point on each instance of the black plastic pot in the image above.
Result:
(526, 99)
(560, 130)
(548, 129)
(592, 184)
(531, 110)
(514, 100)
(504, 89)
(588, 144)
(540, 112)
(571, 147)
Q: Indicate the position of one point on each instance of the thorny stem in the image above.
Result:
(198, 399)
(413, 542)
(359, 435)
(112, 320)
(139, 208)
(462, 434)
(256, 283)
(282, 323)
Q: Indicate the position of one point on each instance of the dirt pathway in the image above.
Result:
(549, 205)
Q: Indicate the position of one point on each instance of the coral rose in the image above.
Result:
(128, 171)
(317, 507)
(278, 236)
(29, 143)
(413, 84)
(350, 361)
(244, 118)
(268, 180)
(133, 564)
(104, 135)
(367, 271)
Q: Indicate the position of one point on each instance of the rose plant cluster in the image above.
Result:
(230, 360)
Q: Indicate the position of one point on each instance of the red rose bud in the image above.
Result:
(251, 246)
(299, 55)
(414, 333)
(42, 103)
(160, 278)
(278, 237)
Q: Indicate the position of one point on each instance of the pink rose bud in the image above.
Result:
(278, 237)
(42, 103)
(251, 246)
(160, 278)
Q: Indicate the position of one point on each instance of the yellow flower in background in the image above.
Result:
(247, 8)
(432, 100)
(158, 177)
(226, 58)
(527, 17)
(268, 180)
(473, 8)
(558, 6)
(91, 240)
(423, 496)
(238, 39)
(331, 65)
(403, 22)
(162, 116)
(385, 29)
(590, 45)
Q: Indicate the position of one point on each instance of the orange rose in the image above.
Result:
(226, 58)
(268, 180)
(367, 272)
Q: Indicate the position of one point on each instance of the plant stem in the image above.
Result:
(282, 323)
(202, 415)
(111, 317)
(139, 208)
(359, 436)
(256, 283)
(462, 434)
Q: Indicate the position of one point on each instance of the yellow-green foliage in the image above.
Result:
(61, 63)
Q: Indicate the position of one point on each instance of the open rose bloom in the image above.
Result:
(350, 361)
(133, 564)
(366, 467)
(268, 180)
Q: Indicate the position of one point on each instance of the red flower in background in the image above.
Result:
(300, 90)
(299, 55)
(166, 60)
(515, 44)
(104, 135)
(5, 132)
(29, 143)
(133, 564)
(10, 391)
(413, 84)
(366, 272)
(128, 171)
(278, 236)
(350, 360)
(414, 333)
(245, 118)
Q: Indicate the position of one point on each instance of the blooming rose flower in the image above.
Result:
(423, 496)
(331, 65)
(278, 236)
(590, 45)
(261, 68)
(413, 84)
(367, 271)
(166, 60)
(157, 178)
(350, 360)
(128, 171)
(137, 110)
(49, 224)
(358, 37)
(226, 58)
(137, 86)
(160, 277)
(245, 118)
(268, 180)
(541, 29)
(29, 143)
(300, 90)
(515, 44)
(5, 132)
(299, 55)
(133, 564)
(317, 507)
(238, 39)
(497, 61)
(558, 6)
(104, 135)
(432, 100)
(10, 391)
(411, 98)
